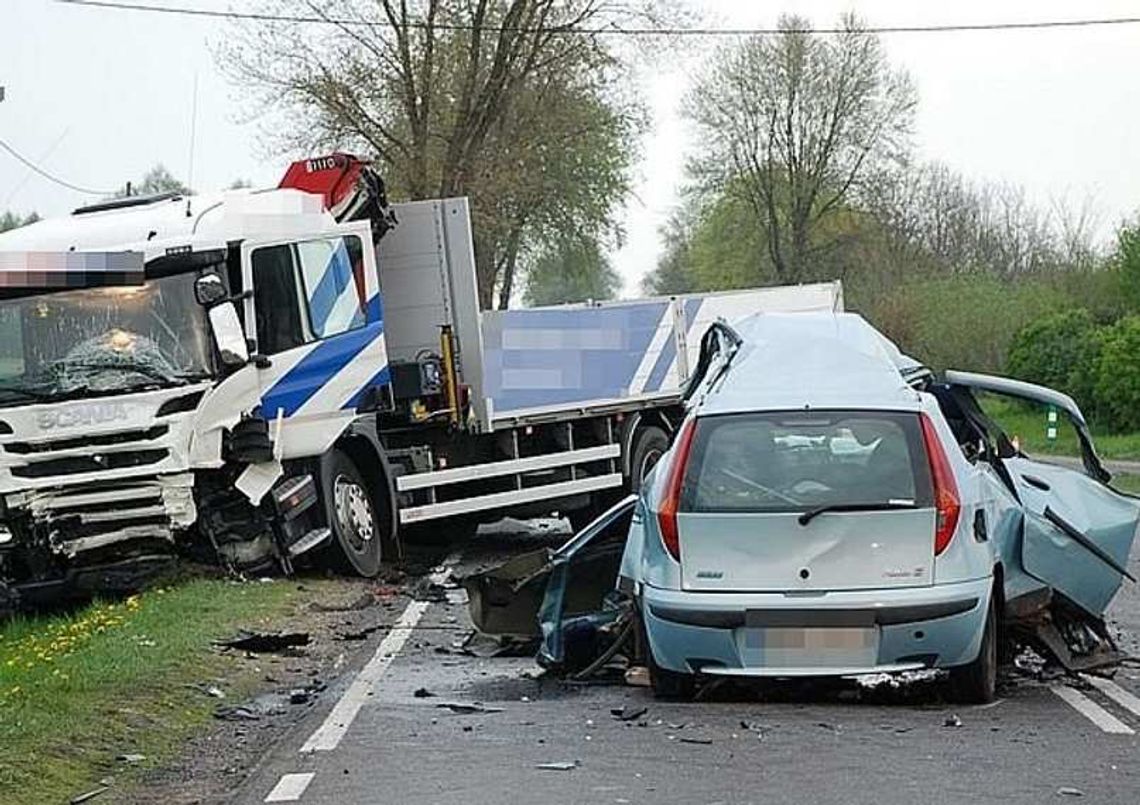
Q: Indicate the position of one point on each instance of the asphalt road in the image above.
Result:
(804, 744)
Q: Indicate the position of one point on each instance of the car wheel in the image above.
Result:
(357, 533)
(648, 446)
(976, 683)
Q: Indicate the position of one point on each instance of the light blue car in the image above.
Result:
(828, 508)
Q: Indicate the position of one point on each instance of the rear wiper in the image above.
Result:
(884, 505)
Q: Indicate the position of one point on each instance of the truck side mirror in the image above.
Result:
(228, 336)
(209, 290)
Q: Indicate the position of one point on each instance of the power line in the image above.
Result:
(50, 177)
(610, 30)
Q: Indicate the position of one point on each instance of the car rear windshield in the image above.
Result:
(773, 462)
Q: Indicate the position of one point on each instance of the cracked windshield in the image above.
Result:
(101, 340)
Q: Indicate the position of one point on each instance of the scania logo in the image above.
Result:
(79, 415)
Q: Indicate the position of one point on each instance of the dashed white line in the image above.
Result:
(1092, 711)
(290, 787)
(1118, 694)
(328, 736)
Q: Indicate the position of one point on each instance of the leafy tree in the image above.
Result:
(570, 271)
(499, 101)
(11, 220)
(1118, 375)
(794, 124)
(1059, 351)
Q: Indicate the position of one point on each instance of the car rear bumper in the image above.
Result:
(733, 634)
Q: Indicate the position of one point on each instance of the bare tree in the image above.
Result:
(795, 122)
(443, 92)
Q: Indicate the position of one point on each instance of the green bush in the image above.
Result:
(1060, 351)
(1118, 375)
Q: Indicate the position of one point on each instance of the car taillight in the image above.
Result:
(667, 513)
(946, 501)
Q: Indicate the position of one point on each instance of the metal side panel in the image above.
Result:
(460, 250)
(497, 469)
(575, 355)
(502, 500)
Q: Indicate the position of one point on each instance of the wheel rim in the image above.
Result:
(353, 512)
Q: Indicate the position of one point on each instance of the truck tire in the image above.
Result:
(976, 683)
(358, 536)
(650, 443)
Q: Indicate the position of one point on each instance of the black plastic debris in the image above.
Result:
(423, 693)
(361, 634)
(1068, 791)
(952, 721)
(265, 642)
(468, 709)
(695, 739)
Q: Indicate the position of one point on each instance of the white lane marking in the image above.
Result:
(290, 787)
(1118, 694)
(1091, 710)
(329, 734)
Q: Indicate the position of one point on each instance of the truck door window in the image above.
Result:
(307, 291)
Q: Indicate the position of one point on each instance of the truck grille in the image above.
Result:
(73, 465)
(93, 516)
(101, 440)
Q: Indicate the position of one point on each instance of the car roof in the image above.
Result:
(802, 361)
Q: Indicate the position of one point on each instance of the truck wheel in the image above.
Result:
(976, 683)
(357, 533)
(649, 445)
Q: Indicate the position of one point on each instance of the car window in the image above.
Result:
(1032, 427)
(794, 461)
(307, 291)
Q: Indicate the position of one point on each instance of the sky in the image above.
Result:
(97, 97)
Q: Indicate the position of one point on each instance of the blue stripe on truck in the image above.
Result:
(295, 387)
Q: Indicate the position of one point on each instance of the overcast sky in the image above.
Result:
(97, 97)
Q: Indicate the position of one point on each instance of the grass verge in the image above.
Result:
(78, 690)
(1028, 423)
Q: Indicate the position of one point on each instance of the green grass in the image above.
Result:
(78, 690)
(1028, 424)
(1127, 483)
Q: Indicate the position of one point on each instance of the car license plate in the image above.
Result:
(810, 647)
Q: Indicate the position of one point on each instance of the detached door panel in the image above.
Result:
(1078, 532)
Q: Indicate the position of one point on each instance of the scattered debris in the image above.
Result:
(90, 795)
(628, 713)
(1067, 791)
(561, 765)
(131, 759)
(265, 642)
(361, 634)
(694, 739)
(637, 676)
(423, 693)
(468, 709)
(213, 691)
(952, 721)
(428, 590)
(300, 696)
(236, 713)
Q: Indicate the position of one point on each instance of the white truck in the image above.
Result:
(305, 370)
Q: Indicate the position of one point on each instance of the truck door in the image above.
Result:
(1078, 530)
(315, 316)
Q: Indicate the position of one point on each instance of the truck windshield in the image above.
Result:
(102, 340)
